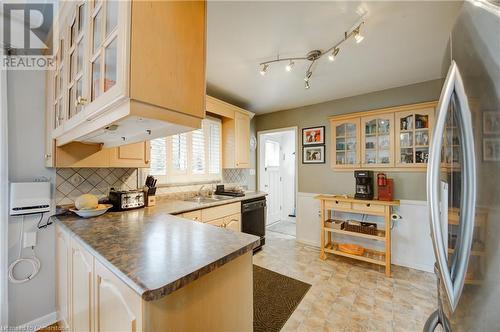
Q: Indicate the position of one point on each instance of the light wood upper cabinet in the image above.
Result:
(181, 53)
(395, 138)
(242, 139)
(94, 156)
(63, 277)
(345, 143)
(235, 132)
(132, 155)
(82, 265)
(413, 137)
(377, 140)
(117, 307)
(115, 84)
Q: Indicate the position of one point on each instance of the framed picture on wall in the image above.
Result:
(491, 149)
(491, 122)
(313, 154)
(313, 135)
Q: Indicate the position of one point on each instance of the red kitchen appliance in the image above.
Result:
(381, 179)
(385, 187)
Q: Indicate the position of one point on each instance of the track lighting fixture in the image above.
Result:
(332, 55)
(358, 37)
(315, 55)
(263, 69)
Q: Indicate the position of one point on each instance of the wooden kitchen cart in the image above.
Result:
(330, 203)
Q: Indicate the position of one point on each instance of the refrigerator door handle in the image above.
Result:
(453, 283)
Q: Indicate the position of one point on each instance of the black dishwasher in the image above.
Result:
(253, 218)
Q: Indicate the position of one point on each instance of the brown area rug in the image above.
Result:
(275, 297)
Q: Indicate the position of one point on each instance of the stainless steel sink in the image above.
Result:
(209, 199)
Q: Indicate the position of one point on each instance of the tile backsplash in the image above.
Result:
(235, 176)
(73, 182)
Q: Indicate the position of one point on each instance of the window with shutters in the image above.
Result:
(188, 157)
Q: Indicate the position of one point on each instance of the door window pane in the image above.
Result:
(71, 101)
(340, 145)
(272, 154)
(421, 121)
(97, 30)
(422, 138)
(79, 93)
(111, 16)
(96, 78)
(72, 63)
(110, 66)
(407, 155)
(406, 123)
(371, 127)
(73, 33)
(383, 126)
(81, 17)
(79, 58)
(350, 130)
(340, 158)
(340, 130)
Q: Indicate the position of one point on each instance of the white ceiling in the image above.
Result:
(404, 43)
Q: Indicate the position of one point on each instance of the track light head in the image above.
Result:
(289, 66)
(263, 69)
(308, 76)
(358, 37)
(334, 53)
(306, 84)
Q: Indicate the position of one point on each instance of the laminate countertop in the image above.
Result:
(154, 252)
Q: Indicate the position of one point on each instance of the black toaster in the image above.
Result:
(126, 200)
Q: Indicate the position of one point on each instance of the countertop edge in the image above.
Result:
(158, 293)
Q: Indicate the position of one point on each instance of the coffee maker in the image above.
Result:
(364, 184)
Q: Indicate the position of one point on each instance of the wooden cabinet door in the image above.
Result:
(170, 73)
(62, 277)
(117, 307)
(233, 222)
(242, 138)
(81, 288)
(218, 222)
(132, 155)
(345, 138)
(413, 137)
(377, 140)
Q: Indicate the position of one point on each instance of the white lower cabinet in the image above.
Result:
(81, 288)
(62, 277)
(224, 216)
(89, 296)
(117, 307)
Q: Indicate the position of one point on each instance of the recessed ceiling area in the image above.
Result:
(405, 43)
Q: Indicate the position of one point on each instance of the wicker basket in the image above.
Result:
(335, 224)
(361, 227)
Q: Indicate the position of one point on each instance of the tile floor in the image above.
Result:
(286, 227)
(347, 295)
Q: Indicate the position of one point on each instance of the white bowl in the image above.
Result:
(101, 209)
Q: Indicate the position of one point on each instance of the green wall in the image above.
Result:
(322, 178)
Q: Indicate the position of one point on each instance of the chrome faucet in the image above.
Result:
(200, 191)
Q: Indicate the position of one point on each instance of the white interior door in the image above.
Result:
(271, 179)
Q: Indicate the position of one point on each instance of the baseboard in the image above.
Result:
(39, 323)
(420, 267)
(308, 243)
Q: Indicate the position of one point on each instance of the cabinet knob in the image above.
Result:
(80, 101)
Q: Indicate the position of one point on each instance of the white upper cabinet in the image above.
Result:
(118, 83)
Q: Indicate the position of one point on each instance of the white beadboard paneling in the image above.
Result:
(411, 241)
(308, 220)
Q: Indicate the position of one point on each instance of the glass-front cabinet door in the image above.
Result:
(104, 61)
(58, 81)
(345, 138)
(76, 59)
(413, 136)
(377, 140)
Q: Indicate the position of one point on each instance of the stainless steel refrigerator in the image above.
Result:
(463, 176)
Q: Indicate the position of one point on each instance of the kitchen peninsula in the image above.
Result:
(149, 270)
